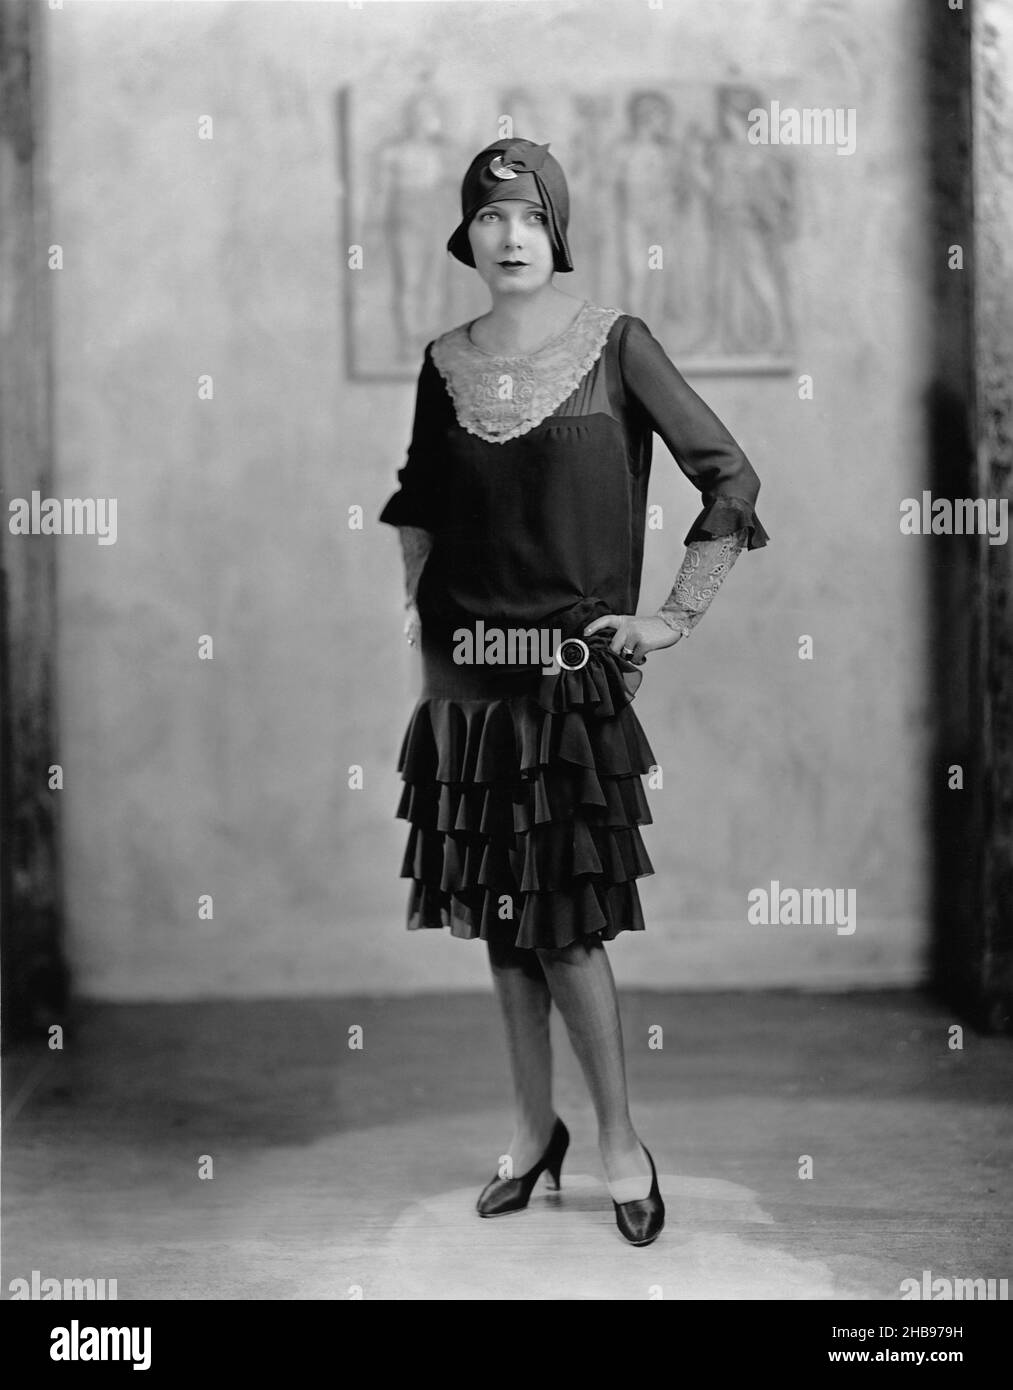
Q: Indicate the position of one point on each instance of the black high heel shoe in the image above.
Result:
(640, 1221)
(504, 1195)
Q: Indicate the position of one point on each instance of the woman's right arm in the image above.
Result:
(414, 509)
(415, 547)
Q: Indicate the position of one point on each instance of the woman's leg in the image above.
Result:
(582, 986)
(525, 1003)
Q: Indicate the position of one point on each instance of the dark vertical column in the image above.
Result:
(34, 975)
(969, 68)
(955, 630)
(992, 68)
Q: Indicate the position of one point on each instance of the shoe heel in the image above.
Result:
(554, 1164)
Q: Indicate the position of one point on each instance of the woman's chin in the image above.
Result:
(515, 281)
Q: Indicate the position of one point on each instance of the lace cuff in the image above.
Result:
(723, 516)
(703, 571)
(416, 543)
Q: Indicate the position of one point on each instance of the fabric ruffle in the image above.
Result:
(723, 515)
(535, 799)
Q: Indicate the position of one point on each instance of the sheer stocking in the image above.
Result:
(580, 979)
(525, 1003)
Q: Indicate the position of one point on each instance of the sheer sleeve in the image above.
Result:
(417, 500)
(696, 438)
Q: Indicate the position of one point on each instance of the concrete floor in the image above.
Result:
(342, 1172)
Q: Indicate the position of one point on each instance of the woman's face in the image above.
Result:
(511, 245)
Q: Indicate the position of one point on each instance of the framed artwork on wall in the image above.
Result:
(675, 217)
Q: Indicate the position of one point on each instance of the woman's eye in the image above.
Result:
(494, 216)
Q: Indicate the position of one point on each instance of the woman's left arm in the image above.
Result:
(704, 569)
(716, 465)
(697, 440)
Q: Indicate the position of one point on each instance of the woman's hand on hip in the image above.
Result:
(635, 637)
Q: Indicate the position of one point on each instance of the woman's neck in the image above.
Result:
(519, 323)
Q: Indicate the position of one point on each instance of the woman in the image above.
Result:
(522, 506)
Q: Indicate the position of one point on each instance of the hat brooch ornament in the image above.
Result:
(526, 158)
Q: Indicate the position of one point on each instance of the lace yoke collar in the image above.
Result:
(497, 397)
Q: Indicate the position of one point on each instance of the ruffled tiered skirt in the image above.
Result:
(524, 799)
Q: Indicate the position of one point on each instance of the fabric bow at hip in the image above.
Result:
(601, 687)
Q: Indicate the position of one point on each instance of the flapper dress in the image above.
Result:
(522, 785)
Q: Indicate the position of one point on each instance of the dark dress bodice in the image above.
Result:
(546, 529)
